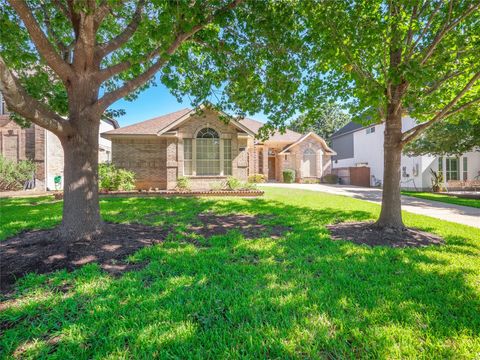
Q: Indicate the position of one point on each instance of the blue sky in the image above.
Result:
(155, 101)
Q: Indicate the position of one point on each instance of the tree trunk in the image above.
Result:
(81, 212)
(391, 213)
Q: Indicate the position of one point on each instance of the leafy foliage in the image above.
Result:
(437, 181)
(323, 120)
(183, 183)
(111, 178)
(289, 176)
(14, 174)
(330, 179)
(452, 137)
(257, 178)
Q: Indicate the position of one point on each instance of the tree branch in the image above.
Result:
(113, 70)
(103, 10)
(50, 31)
(23, 104)
(135, 83)
(43, 45)
(62, 8)
(414, 132)
(125, 35)
(441, 81)
(445, 29)
(424, 31)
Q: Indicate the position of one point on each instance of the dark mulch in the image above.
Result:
(39, 251)
(367, 234)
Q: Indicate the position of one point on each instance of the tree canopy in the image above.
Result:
(324, 120)
(451, 137)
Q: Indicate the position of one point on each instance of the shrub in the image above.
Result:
(183, 183)
(111, 178)
(256, 178)
(437, 181)
(288, 176)
(233, 183)
(330, 179)
(13, 175)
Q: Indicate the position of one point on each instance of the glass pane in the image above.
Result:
(207, 133)
(227, 157)
(208, 156)
(187, 149)
(440, 164)
(187, 167)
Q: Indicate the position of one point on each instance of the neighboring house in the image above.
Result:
(201, 146)
(42, 147)
(358, 145)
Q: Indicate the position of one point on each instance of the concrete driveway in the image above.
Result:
(450, 212)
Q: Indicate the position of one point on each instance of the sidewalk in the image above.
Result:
(450, 212)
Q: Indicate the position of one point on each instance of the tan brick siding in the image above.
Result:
(145, 157)
(17, 143)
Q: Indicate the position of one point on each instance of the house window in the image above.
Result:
(465, 169)
(370, 130)
(187, 156)
(208, 152)
(452, 169)
(227, 157)
(440, 165)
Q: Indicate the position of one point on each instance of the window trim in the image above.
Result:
(449, 172)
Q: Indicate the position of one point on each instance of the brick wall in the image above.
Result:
(144, 156)
(17, 143)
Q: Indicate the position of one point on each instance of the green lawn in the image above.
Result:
(300, 296)
(450, 199)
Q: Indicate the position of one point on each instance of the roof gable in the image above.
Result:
(187, 116)
(306, 136)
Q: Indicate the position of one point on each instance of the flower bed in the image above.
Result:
(166, 193)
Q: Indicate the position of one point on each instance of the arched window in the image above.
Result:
(309, 163)
(208, 152)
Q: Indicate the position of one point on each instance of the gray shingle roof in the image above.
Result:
(152, 126)
(351, 126)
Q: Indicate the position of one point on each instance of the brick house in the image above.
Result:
(201, 146)
(42, 147)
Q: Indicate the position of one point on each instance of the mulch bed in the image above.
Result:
(39, 251)
(365, 233)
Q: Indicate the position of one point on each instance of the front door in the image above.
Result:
(271, 168)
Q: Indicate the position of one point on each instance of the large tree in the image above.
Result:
(387, 59)
(323, 120)
(64, 62)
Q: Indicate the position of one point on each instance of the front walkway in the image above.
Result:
(443, 211)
